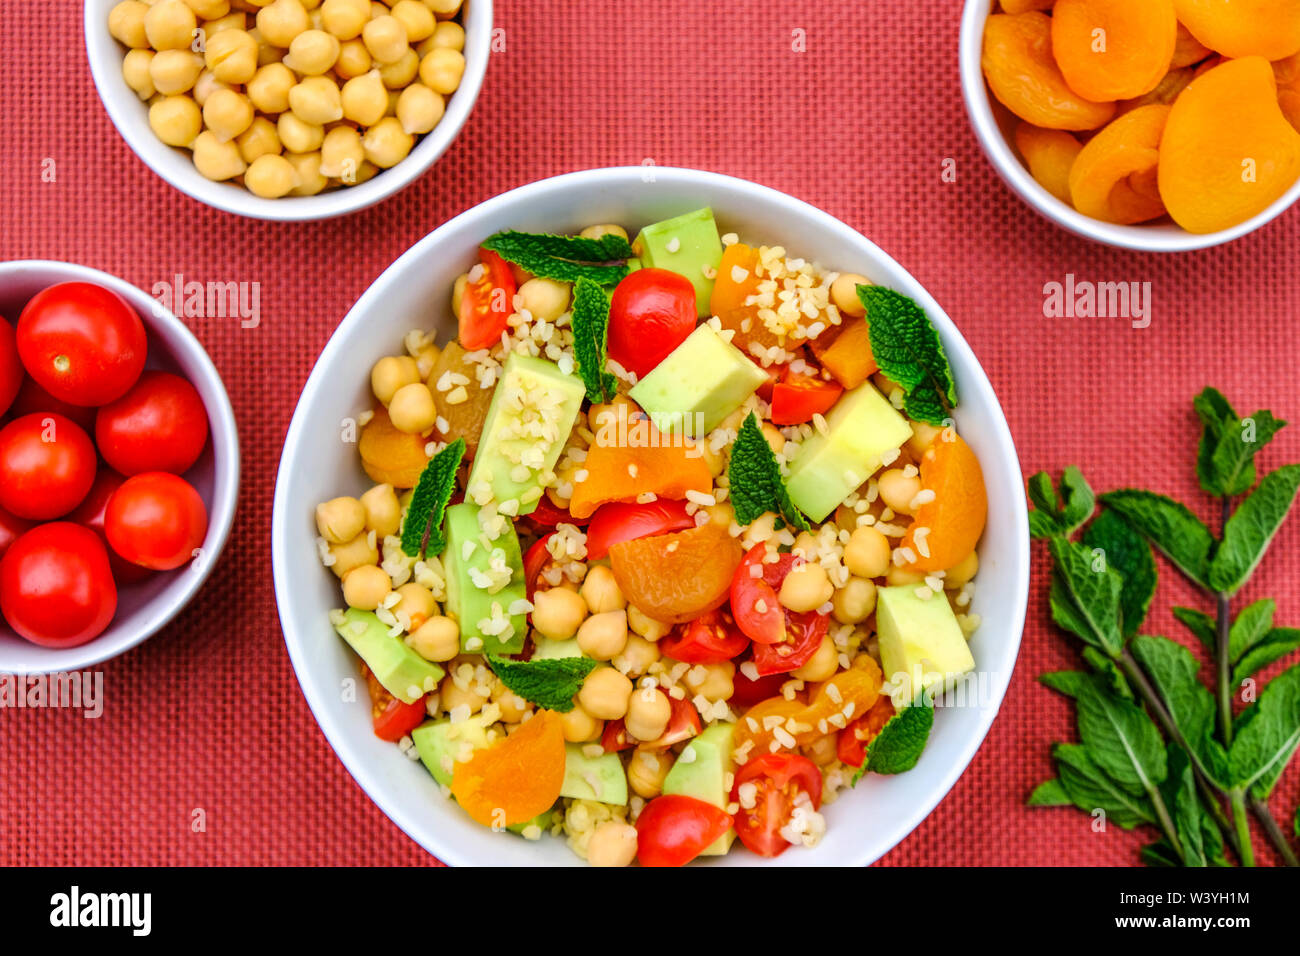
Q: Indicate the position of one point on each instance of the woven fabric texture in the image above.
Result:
(861, 118)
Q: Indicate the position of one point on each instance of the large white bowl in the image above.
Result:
(142, 609)
(415, 292)
(994, 126)
(131, 117)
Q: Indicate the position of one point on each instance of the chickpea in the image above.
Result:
(513, 707)
(806, 588)
(605, 694)
(608, 415)
(558, 613)
(412, 409)
(235, 20)
(437, 639)
(416, 601)
(441, 69)
(601, 229)
(269, 88)
(345, 18)
(312, 52)
(386, 143)
(896, 576)
(612, 843)
(390, 96)
(383, 510)
(822, 665)
(398, 75)
(853, 603)
(451, 35)
(715, 458)
(644, 625)
(897, 489)
(260, 139)
(603, 636)
(366, 587)
(419, 109)
(316, 100)
(175, 120)
(648, 713)
(722, 513)
(216, 160)
(579, 726)
(353, 554)
(867, 553)
(341, 156)
(775, 440)
(601, 591)
(385, 38)
(297, 135)
(963, 571)
(823, 751)
(206, 85)
(227, 114)
(340, 519)
(844, 294)
(646, 772)
(170, 25)
(392, 371)
(353, 61)
(209, 9)
(135, 70)
(714, 681)
(266, 53)
(231, 55)
(923, 437)
(637, 656)
(416, 18)
(546, 299)
(443, 8)
(363, 173)
(452, 696)
(126, 24)
(175, 71)
(281, 21)
(458, 292)
(364, 99)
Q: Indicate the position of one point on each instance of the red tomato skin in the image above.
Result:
(485, 306)
(12, 528)
(807, 631)
(625, 521)
(159, 425)
(709, 639)
(90, 513)
(11, 368)
(398, 719)
(47, 465)
(651, 312)
(535, 560)
(82, 342)
(746, 693)
(797, 398)
(32, 398)
(673, 829)
(156, 520)
(56, 588)
(683, 724)
(762, 627)
(779, 777)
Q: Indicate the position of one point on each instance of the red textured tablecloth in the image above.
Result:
(208, 715)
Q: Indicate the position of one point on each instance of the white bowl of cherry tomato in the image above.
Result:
(372, 422)
(119, 466)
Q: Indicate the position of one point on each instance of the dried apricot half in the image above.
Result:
(1018, 65)
(391, 456)
(677, 577)
(1114, 177)
(1113, 49)
(956, 513)
(1237, 28)
(1227, 152)
(1287, 73)
(1049, 154)
(514, 779)
(1188, 50)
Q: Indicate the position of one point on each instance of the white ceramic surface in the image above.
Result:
(131, 117)
(415, 292)
(994, 126)
(142, 608)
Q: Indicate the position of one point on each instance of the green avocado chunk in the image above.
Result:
(600, 778)
(548, 649)
(688, 245)
(440, 742)
(474, 606)
(702, 771)
(405, 674)
(920, 639)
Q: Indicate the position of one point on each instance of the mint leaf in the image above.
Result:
(1177, 533)
(1128, 553)
(1176, 676)
(906, 346)
(1250, 530)
(898, 746)
(1250, 627)
(564, 258)
(1049, 793)
(1064, 682)
(1085, 595)
(422, 527)
(1121, 739)
(550, 683)
(1179, 793)
(1277, 644)
(1051, 518)
(1160, 854)
(590, 323)
(1200, 624)
(1106, 669)
(1091, 789)
(1225, 462)
(1266, 735)
(755, 479)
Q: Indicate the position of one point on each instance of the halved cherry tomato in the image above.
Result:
(804, 633)
(709, 639)
(486, 305)
(393, 719)
(534, 561)
(624, 521)
(651, 312)
(673, 829)
(851, 747)
(782, 781)
(746, 693)
(547, 515)
(11, 369)
(774, 373)
(683, 724)
(797, 397)
(754, 604)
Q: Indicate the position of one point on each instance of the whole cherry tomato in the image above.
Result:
(12, 528)
(11, 369)
(56, 588)
(651, 312)
(156, 520)
(47, 465)
(82, 342)
(159, 425)
(32, 398)
(90, 513)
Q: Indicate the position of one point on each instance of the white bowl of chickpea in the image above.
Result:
(389, 326)
(288, 109)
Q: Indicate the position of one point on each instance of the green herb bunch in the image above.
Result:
(1159, 747)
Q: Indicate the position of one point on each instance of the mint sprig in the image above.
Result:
(422, 527)
(550, 683)
(898, 746)
(590, 323)
(564, 258)
(906, 346)
(755, 479)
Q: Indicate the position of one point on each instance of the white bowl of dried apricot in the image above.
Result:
(1160, 126)
(288, 109)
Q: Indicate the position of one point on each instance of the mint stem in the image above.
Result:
(1237, 799)
(1223, 621)
(1275, 835)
